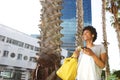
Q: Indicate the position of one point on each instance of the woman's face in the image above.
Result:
(87, 35)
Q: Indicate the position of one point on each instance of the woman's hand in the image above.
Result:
(76, 53)
(88, 51)
(99, 61)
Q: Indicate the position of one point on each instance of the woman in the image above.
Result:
(91, 60)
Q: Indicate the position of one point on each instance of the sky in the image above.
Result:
(24, 16)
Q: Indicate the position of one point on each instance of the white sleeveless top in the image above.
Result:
(87, 69)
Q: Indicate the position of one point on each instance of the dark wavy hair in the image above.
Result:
(92, 30)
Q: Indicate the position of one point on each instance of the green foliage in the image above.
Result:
(117, 73)
(114, 3)
(113, 6)
(112, 77)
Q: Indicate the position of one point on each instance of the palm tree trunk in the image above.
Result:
(115, 11)
(50, 36)
(80, 22)
(118, 37)
(117, 27)
(105, 35)
(50, 27)
(114, 7)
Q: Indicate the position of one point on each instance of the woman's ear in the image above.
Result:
(92, 35)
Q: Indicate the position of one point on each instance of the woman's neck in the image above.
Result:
(89, 44)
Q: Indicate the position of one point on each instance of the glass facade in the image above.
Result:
(69, 22)
(87, 12)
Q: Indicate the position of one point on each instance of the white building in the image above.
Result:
(17, 52)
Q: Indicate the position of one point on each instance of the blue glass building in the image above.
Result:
(87, 12)
(69, 22)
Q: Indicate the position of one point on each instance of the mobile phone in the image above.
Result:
(84, 47)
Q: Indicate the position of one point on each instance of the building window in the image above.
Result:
(14, 42)
(2, 38)
(25, 57)
(5, 53)
(20, 44)
(36, 49)
(19, 57)
(31, 47)
(7, 75)
(12, 55)
(9, 40)
(32, 59)
(27, 46)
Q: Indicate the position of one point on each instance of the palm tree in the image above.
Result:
(113, 6)
(80, 22)
(50, 26)
(49, 40)
(105, 35)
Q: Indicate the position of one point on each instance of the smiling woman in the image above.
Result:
(22, 15)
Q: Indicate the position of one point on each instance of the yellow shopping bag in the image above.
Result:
(68, 70)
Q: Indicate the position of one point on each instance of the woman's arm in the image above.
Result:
(100, 61)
